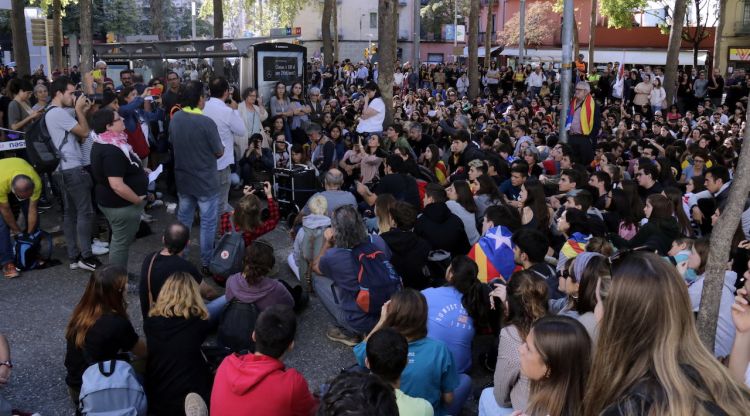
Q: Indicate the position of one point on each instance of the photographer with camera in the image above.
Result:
(75, 183)
(256, 165)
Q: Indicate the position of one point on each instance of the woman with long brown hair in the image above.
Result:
(556, 357)
(523, 302)
(661, 367)
(99, 328)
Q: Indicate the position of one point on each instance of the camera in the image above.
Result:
(257, 186)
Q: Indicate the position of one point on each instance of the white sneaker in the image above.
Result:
(157, 203)
(159, 195)
(100, 243)
(147, 218)
(99, 250)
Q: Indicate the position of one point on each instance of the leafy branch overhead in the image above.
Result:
(541, 25)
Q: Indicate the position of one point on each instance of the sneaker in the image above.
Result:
(337, 335)
(90, 263)
(44, 204)
(100, 243)
(98, 250)
(10, 271)
(74, 263)
(195, 406)
(146, 218)
(157, 203)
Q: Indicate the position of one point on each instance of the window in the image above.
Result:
(373, 20)
(494, 23)
(436, 58)
(746, 13)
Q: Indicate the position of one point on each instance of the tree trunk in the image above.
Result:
(218, 34)
(387, 32)
(157, 18)
(576, 42)
(20, 44)
(325, 27)
(717, 36)
(87, 54)
(698, 34)
(57, 40)
(489, 35)
(673, 49)
(473, 49)
(592, 30)
(721, 240)
(335, 18)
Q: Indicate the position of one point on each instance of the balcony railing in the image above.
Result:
(742, 27)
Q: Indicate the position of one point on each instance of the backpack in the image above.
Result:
(236, 327)
(42, 153)
(226, 259)
(377, 278)
(28, 250)
(110, 388)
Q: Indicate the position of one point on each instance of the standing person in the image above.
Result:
(281, 106)
(19, 183)
(661, 367)
(197, 144)
(583, 123)
(68, 133)
(716, 87)
(229, 124)
(373, 112)
(700, 87)
(556, 358)
(99, 328)
(657, 97)
(176, 327)
(121, 182)
(253, 114)
(20, 114)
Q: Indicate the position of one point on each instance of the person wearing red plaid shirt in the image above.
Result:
(247, 215)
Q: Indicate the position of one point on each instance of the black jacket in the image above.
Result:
(656, 235)
(442, 229)
(408, 255)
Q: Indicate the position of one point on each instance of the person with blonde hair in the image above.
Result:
(176, 327)
(309, 238)
(661, 367)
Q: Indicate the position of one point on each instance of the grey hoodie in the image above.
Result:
(310, 221)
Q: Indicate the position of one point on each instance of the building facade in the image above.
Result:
(734, 40)
(357, 27)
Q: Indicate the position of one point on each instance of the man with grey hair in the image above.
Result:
(418, 141)
(335, 276)
(583, 124)
(324, 150)
(332, 181)
(316, 105)
(20, 187)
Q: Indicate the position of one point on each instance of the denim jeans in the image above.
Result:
(6, 243)
(209, 211)
(325, 288)
(215, 308)
(224, 185)
(78, 211)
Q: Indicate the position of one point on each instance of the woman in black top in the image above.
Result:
(121, 182)
(175, 329)
(99, 329)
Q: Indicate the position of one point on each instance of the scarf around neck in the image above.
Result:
(119, 140)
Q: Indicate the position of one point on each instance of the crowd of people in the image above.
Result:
(438, 220)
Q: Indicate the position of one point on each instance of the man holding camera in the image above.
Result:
(68, 128)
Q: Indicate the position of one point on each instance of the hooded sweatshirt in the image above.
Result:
(259, 385)
(409, 255)
(264, 294)
(311, 221)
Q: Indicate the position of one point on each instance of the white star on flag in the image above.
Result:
(499, 238)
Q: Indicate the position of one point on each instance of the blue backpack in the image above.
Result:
(377, 278)
(29, 250)
(110, 388)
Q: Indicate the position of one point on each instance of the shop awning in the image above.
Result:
(481, 51)
(629, 56)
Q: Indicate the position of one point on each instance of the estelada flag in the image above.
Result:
(493, 254)
(575, 245)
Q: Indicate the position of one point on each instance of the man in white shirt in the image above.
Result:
(362, 73)
(535, 81)
(230, 124)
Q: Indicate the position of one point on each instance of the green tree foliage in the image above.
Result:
(441, 12)
(619, 13)
(276, 13)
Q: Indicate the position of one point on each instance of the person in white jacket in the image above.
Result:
(657, 96)
(462, 85)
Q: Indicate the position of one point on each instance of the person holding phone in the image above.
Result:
(373, 111)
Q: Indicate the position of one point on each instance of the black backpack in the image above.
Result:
(43, 155)
(236, 327)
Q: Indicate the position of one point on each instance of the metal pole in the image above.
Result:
(566, 68)
(521, 32)
(192, 17)
(455, 29)
(417, 32)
